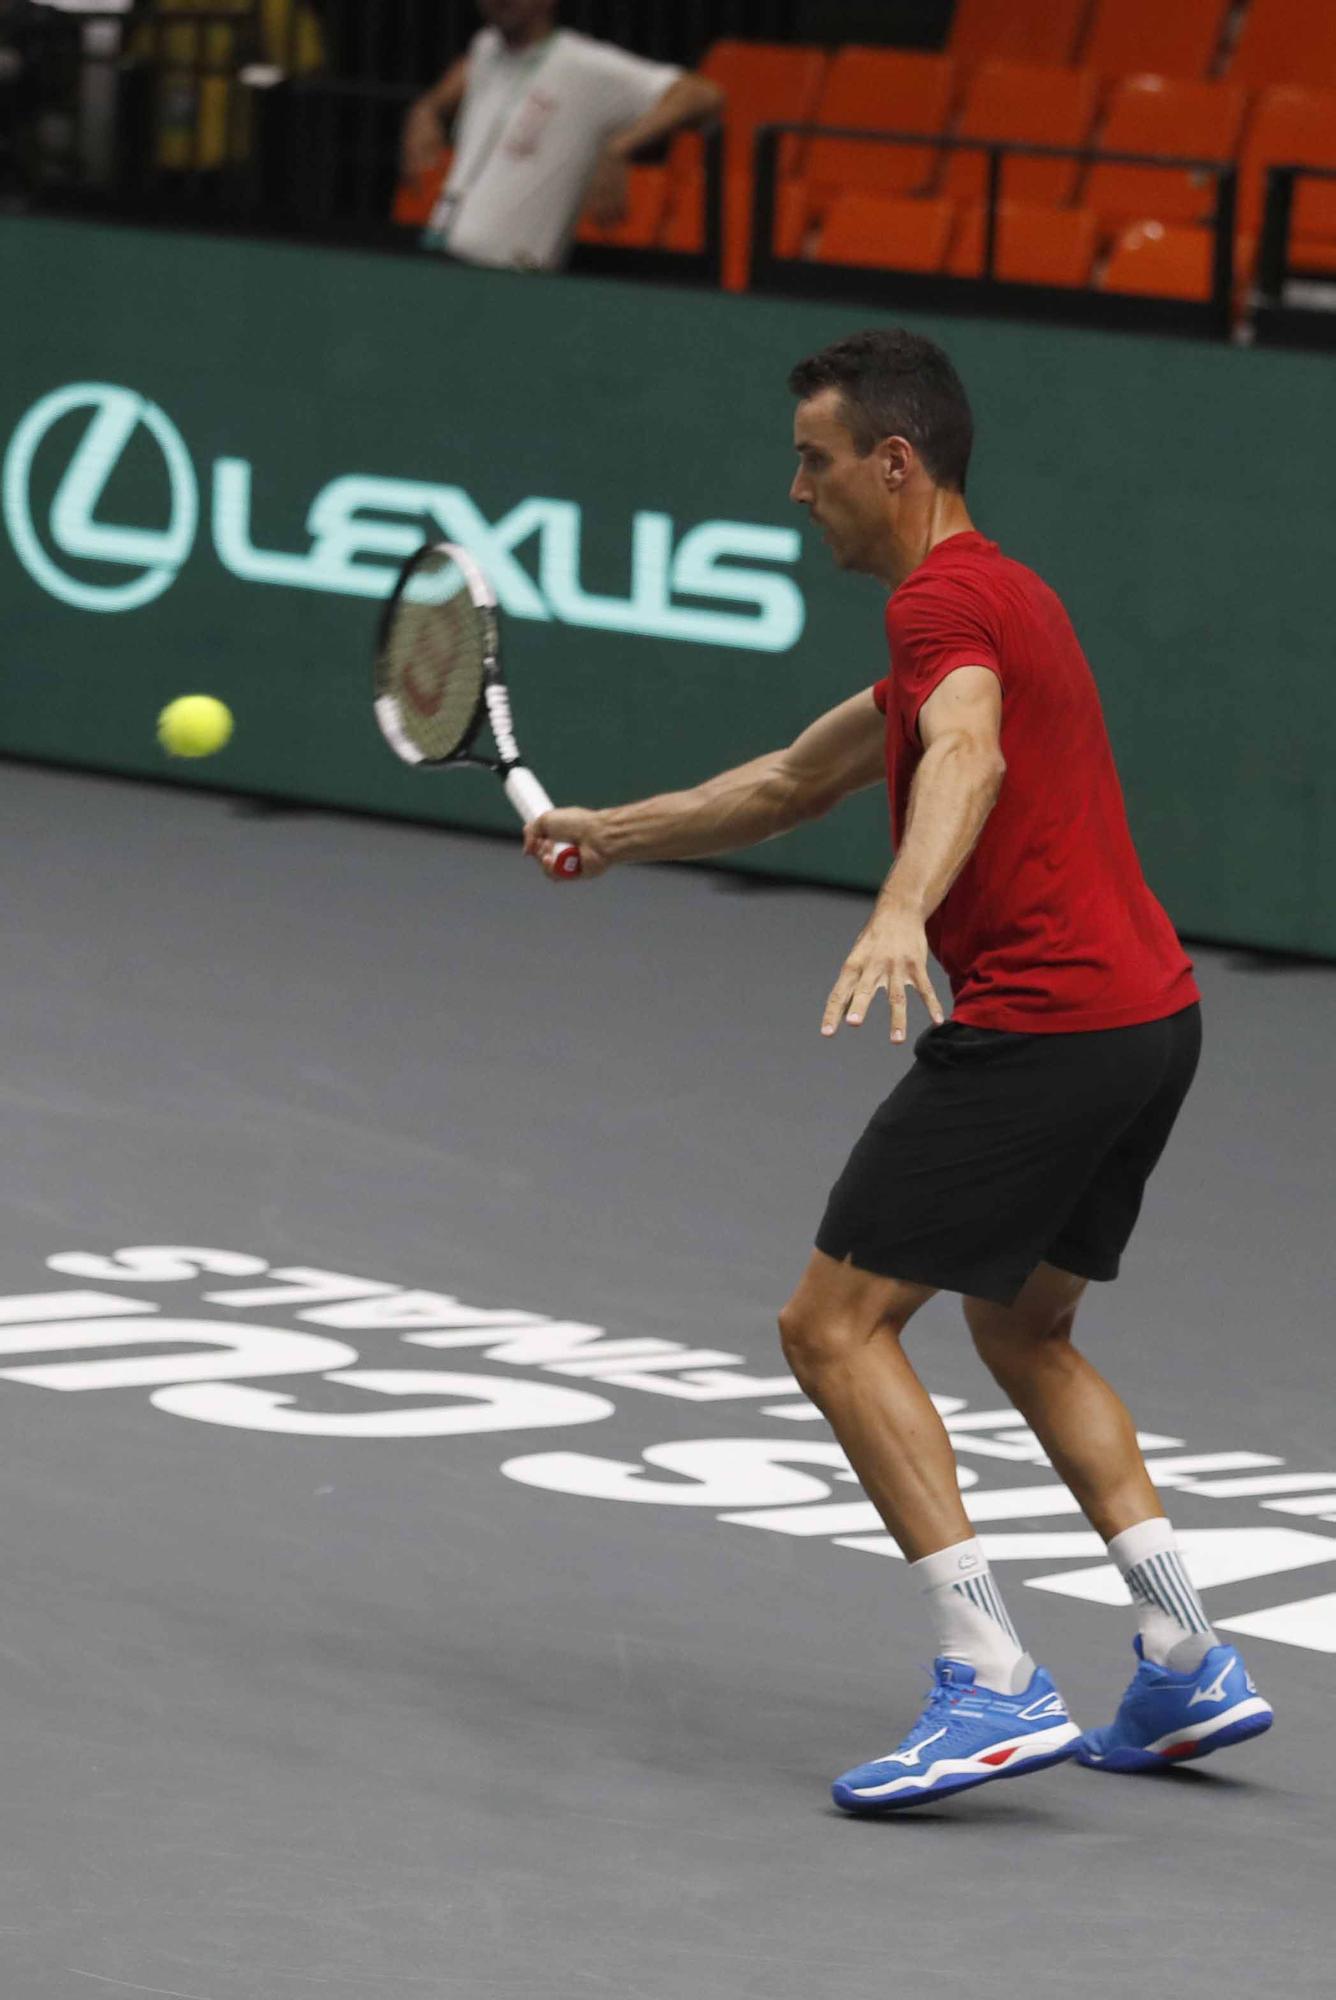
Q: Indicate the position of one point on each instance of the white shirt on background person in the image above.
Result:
(532, 127)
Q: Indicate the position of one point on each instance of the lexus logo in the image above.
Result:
(154, 554)
(711, 583)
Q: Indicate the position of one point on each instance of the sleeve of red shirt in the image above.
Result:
(935, 624)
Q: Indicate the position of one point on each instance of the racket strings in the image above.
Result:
(433, 662)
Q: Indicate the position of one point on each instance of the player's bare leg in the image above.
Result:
(1190, 1694)
(1082, 1424)
(992, 1713)
(841, 1334)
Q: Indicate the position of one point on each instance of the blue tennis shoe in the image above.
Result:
(965, 1736)
(1166, 1718)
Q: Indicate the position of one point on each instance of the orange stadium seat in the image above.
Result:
(1313, 256)
(1016, 102)
(877, 90)
(764, 83)
(1157, 114)
(886, 231)
(647, 197)
(1134, 37)
(1035, 246)
(1033, 31)
(1291, 127)
(1286, 41)
(1164, 260)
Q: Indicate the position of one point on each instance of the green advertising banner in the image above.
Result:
(215, 454)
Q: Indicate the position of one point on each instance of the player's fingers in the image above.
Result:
(565, 823)
(534, 834)
(925, 987)
(899, 1009)
(838, 1001)
(865, 992)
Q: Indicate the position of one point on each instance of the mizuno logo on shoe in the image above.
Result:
(913, 1756)
(1215, 1692)
(1049, 1704)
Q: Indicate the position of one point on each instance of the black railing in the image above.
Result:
(1005, 297)
(316, 154)
(1295, 302)
(197, 124)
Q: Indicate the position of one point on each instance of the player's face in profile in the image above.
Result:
(843, 493)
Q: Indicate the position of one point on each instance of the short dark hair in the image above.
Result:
(897, 384)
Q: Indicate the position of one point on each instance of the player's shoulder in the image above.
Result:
(965, 555)
(966, 567)
(949, 578)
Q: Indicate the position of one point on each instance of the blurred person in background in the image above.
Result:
(547, 122)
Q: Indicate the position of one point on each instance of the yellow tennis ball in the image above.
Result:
(194, 725)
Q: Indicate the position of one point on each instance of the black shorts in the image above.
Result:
(1002, 1151)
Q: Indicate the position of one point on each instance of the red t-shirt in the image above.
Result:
(1050, 926)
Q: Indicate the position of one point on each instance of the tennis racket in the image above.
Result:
(438, 678)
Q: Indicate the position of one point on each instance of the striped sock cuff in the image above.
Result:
(1161, 1581)
(983, 1594)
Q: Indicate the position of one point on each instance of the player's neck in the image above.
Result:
(933, 519)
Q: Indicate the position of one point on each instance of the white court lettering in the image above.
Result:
(156, 1264)
(231, 1352)
(465, 1405)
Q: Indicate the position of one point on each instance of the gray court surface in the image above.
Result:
(298, 1704)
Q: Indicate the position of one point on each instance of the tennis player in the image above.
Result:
(1009, 1164)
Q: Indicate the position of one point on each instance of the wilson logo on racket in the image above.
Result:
(425, 700)
(731, 574)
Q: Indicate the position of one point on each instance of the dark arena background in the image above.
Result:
(425, 1579)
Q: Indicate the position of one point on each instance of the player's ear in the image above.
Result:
(897, 458)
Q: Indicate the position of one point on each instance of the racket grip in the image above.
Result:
(529, 799)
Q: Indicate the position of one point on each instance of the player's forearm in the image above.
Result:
(954, 790)
(690, 101)
(736, 809)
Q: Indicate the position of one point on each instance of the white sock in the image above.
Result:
(970, 1618)
(1175, 1631)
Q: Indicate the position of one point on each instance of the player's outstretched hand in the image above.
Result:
(551, 830)
(892, 951)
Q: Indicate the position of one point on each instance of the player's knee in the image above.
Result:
(796, 1338)
(1012, 1345)
(815, 1343)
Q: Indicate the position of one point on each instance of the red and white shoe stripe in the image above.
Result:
(998, 1760)
(1187, 1742)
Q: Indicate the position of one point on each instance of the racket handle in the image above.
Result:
(529, 799)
